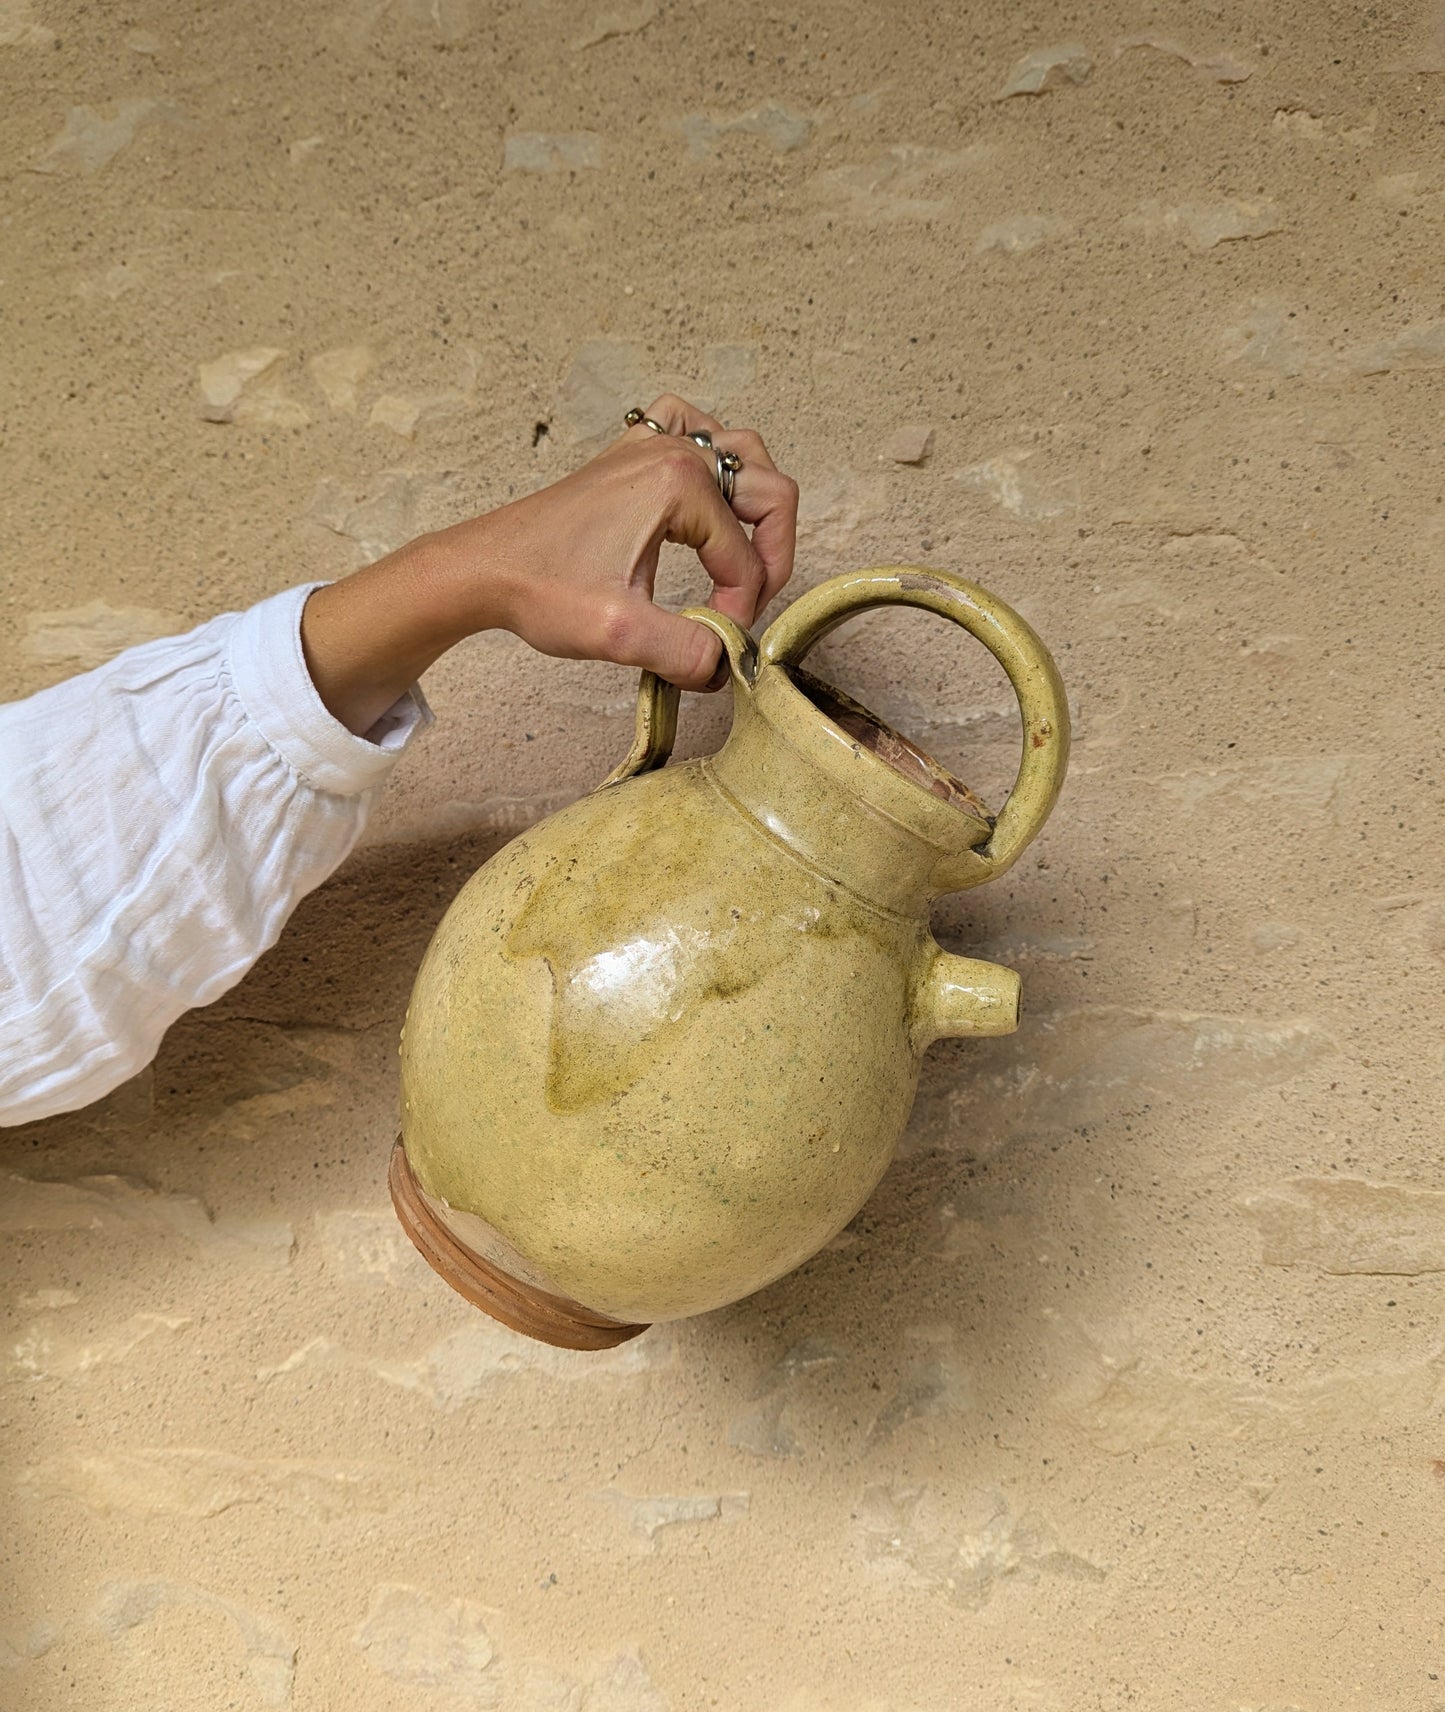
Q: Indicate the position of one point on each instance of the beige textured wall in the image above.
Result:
(1126, 1388)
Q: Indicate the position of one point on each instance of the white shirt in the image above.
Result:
(160, 818)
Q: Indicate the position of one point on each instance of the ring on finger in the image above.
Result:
(728, 465)
(725, 467)
(725, 464)
(634, 416)
(721, 472)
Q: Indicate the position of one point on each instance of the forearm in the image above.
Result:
(369, 637)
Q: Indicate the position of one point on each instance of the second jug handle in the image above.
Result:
(1043, 703)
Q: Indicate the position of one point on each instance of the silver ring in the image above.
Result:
(724, 464)
(728, 465)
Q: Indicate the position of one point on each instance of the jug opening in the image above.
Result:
(905, 758)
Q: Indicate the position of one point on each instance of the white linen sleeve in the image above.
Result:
(160, 818)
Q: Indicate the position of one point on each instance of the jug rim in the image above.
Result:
(900, 754)
(942, 822)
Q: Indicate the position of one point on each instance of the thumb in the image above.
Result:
(681, 650)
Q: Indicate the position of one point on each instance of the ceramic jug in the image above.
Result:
(662, 1045)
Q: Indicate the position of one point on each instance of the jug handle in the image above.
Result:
(657, 700)
(1043, 703)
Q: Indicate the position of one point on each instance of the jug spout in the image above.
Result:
(964, 996)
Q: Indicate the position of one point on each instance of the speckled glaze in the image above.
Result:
(662, 1046)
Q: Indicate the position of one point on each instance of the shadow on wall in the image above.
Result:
(349, 954)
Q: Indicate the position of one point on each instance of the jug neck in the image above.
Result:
(847, 795)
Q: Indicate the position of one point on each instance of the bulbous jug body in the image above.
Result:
(662, 1046)
(692, 1051)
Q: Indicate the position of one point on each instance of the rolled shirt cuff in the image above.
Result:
(267, 668)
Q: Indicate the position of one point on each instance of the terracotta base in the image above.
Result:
(533, 1312)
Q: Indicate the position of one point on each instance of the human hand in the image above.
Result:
(570, 569)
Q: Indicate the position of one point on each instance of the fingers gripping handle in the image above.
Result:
(657, 699)
(1042, 702)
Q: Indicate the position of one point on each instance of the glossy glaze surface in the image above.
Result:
(664, 1043)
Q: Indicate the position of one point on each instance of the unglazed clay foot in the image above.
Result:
(535, 1313)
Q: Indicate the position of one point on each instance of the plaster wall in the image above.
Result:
(1126, 1388)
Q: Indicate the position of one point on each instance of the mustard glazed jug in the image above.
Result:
(662, 1046)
